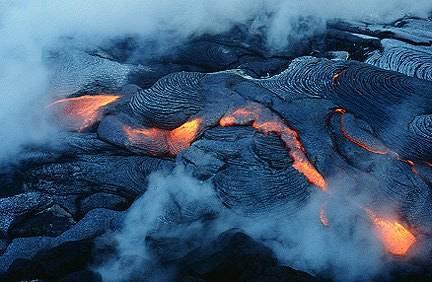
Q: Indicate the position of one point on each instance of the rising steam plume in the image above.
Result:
(347, 251)
(29, 29)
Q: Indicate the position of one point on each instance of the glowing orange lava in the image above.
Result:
(264, 121)
(181, 137)
(82, 112)
(396, 238)
(380, 151)
(160, 142)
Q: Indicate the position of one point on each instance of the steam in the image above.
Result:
(29, 29)
(347, 250)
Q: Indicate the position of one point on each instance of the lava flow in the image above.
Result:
(161, 142)
(396, 238)
(369, 147)
(264, 121)
(80, 113)
(181, 137)
(357, 141)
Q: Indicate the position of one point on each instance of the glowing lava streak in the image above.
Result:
(357, 141)
(396, 238)
(161, 142)
(380, 151)
(264, 121)
(82, 112)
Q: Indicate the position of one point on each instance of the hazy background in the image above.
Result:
(29, 28)
(346, 250)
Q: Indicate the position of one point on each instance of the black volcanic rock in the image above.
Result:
(368, 120)
(54, 257)
(234, 256)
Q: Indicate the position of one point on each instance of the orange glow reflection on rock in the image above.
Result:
(336, 76)
(160, 142)
(396, 238)
(137, 133)
(82, 112)
(323, 217)
(264, 121)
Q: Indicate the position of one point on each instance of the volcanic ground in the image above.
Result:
(266, 130)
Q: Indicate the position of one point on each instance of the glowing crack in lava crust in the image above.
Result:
(79, 113)
(379, 149)
(357, 141)
(160, 142)
(266, 122)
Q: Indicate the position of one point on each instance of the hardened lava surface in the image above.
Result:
(266, 129)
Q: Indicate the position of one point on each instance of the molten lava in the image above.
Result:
(358, 142)
(369, 148)
(152, 140)
(396, 238)
(161, 142)
(79, 113)
(264, 121)
(181, 137)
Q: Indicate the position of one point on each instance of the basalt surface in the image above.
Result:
(266, 129)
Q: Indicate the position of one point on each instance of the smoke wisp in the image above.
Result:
(30, 29)
(177, 207)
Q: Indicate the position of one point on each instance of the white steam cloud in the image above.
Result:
(346, 250)
(28, 29)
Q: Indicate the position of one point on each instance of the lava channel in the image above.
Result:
(80, 113)
(358, 140)
(264, 121)
(380, 150)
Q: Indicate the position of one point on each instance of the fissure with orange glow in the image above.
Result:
(264, 121)
(182, 137)
(355, 141)
(383, 151)
(160, 142)
(79, 113)
(336, 76)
